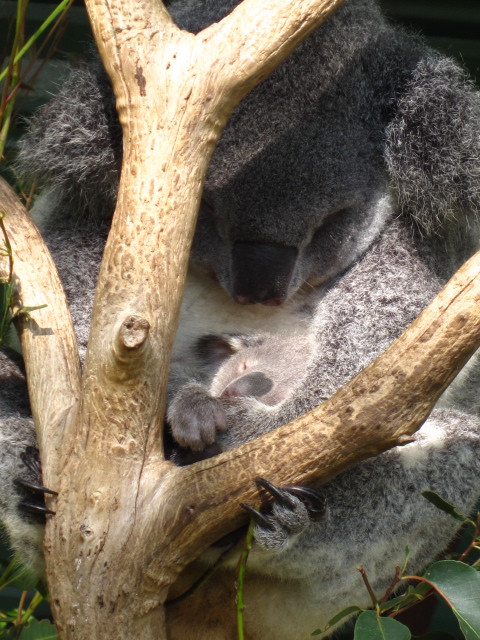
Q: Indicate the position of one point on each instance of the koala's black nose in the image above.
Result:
(262, 272)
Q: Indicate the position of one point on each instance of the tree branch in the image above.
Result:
(127, 522)
(48, 339)
(380, 408)
(172, 102)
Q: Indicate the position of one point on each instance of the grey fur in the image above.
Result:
(362, 153)
(282, 361)
(16, 434)
(267, 367)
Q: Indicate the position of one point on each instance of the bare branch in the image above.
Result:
(48, 339)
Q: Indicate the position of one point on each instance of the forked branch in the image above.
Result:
(127, 521)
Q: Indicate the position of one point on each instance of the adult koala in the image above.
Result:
(343, 193)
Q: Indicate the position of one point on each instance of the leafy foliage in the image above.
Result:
(454, 581)
(19, 623)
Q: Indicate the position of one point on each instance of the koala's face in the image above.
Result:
(294, 194)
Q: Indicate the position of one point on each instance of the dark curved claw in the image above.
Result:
(31, 459)
(38, 509)
(280, 495)
(257, 516)
(313, 499)
(33, 486)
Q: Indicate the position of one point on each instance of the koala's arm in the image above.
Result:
(433, 147)
(73, 145)
(194, 416)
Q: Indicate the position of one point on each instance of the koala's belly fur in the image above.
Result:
(207, 308)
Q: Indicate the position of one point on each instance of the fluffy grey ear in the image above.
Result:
(74, 144)
(433, 145)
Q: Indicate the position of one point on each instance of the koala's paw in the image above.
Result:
(31, 486)
(293, 509)
(195, 417)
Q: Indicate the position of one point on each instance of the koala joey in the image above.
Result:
(262, 366)
(343, 193)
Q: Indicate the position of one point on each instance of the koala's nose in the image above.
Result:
(262, 272)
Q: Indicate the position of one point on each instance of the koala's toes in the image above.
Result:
(195, 418)
(314, 500)
(31, 488)
(293, 509)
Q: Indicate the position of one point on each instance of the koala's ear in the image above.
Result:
(432, 146)
(213, 349)
(254, 385)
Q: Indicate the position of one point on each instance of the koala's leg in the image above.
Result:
(19, 479)
(23, 526)
(375, 510)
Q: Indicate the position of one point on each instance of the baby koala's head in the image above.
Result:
(261, 366)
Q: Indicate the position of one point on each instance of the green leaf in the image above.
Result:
(421, 589)
(412, 594)
(45, 24)
(336, 618)
(443, 505)
(437, 635)
(370, 626)
(459, 586)
(5, 298)
(39, 630)
(18, 576)
(398, 602)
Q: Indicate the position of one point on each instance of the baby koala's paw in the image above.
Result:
(195, 417)
(293, 510)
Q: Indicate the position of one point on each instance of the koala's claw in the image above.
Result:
(38, 509)
(289, 514)
(34, 487)
(313, 499)
(257, 516)
(280, 495)
(31, 459)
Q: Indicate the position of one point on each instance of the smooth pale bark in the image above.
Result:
(128, 521)
(47, 335)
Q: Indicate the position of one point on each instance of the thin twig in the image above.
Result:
(369, 588)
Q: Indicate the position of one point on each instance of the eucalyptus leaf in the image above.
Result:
(11, 634)
(336, 618)
(39, 630)
(412, 594)
(437, 635)
(370, 626)
(459, 586)
(443, 505)
(22, 579)
(421, 589)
